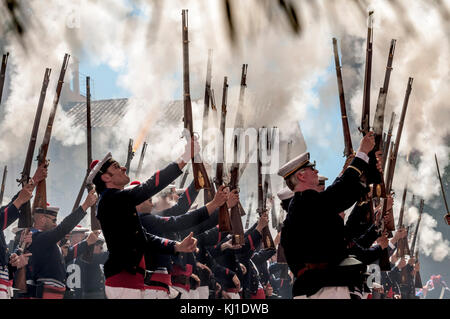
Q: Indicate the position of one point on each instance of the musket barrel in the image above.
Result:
(141, 160)
(3, 74)
(367, 77)
(25, 218)
(348, 150)
(2, 191)
(389, 181)
(388, 141)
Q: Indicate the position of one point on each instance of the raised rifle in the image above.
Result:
(379, 189)
(367, 78)
(378, 123)
(209, 193)
(417, 279)
(402, 245)
(183, 179)
(249, 211)
(206, 100)
(413, 243)
(348, 148)
(239, 121)
(201, 179)
(141, 160)
(40, 199)
(3, 74)
(20, 282)
(130, 155)
(288, 156)
(393, 158)
(447, 216)
(388, 141)
(25, 217)
(236, 220)
(266, 236)
(95, 224)
(2, 191)
(25, 220)
(224, 217)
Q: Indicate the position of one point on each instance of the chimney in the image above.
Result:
(76, 76)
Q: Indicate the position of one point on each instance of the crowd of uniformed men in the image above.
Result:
(158, 244)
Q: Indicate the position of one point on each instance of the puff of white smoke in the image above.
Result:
(431, 242)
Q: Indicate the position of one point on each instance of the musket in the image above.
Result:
(367, 78)
(417, 279)
(239, 122)
(224, 217)
(20, 282)
(378, 122)
(288, 156)
(348, 148)
(201, 178)
(183, 179)
(209, 193)
(95, 224)
(236, 219)
(40, 199)
(402, 242)
(249, 211)
(2, 191)
(447, 216)
(413, 243)
(25, 217)
(266, 236)
(206, 100)
(379, 189)
(388, 141)
(214, 108)
(3, 74)
(393, 159)
(141, 160)
(274, 215)
(130, 155)
(25, 220)
(267, 183)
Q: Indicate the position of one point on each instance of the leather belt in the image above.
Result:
(152, 283)
(181, 279)
(309, 266)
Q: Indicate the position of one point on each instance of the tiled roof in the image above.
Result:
(104, 113)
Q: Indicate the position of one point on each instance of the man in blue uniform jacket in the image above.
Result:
(125, 237)
(313, 234)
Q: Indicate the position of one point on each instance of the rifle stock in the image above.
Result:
(402, 242)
